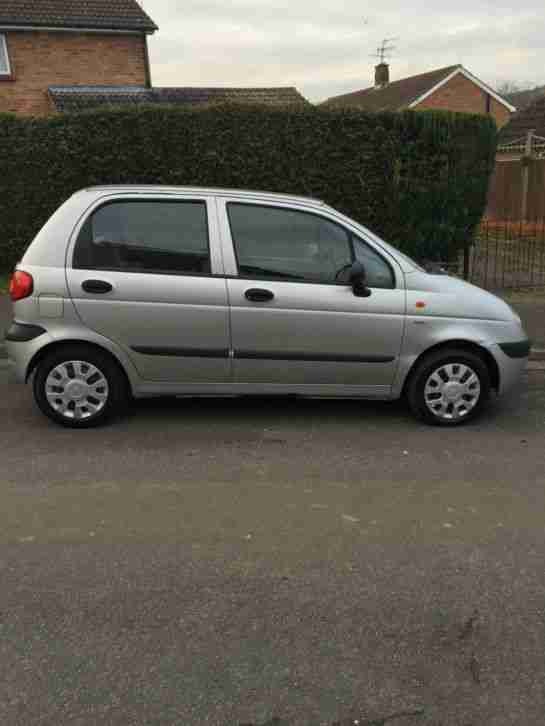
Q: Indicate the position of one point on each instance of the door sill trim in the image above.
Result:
(311, 390)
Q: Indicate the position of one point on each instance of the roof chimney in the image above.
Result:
(382, 75)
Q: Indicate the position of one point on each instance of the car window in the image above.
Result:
(379, 272)
(280, 243)
(146, 236)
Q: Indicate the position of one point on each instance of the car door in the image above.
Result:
(147, 273)
(295, 320)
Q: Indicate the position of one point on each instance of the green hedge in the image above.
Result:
(419, 179)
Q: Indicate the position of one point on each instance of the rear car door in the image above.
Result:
(295, 320)
(146, 272)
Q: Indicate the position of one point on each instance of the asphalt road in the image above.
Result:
(232, 561)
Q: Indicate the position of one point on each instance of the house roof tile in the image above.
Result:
(90, 14)
(395, 96)
(531, 118)
(523, 99)
(82, 98)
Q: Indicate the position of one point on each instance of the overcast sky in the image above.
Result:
(324, 48)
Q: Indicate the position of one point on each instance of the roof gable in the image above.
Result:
(396, 95)
(409, 92)
(123, 15)
(460, 70)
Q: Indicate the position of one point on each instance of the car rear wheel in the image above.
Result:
(449, 388)
(79, 386)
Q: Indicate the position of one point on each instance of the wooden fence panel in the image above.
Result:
(505, 193)
(536, 190)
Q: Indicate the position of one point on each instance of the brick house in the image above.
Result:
(47, 43)
(451, 89)
(74, 55)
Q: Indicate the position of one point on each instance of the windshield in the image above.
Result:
(397, 251)
(410, 261)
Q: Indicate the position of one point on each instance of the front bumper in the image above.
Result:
(512, 360)
(520, 349)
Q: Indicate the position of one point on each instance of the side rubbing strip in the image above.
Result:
(309, 357)
(182, 352)
(261, 355)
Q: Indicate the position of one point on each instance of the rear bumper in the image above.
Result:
(7, 371)
(21, 352)
(23, 332)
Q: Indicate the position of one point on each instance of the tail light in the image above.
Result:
(21, 285)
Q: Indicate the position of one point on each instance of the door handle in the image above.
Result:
(258, 295)
(99, 287)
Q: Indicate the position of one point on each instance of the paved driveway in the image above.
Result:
(228, 562)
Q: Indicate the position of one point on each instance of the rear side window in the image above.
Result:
(146, 236)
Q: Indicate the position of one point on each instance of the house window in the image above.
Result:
(5, 69)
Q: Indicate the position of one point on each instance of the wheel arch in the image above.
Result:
(57, 344)
(459, 344)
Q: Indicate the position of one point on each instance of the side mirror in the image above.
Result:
(358, 280)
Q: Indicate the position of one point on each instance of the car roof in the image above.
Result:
(213, 191)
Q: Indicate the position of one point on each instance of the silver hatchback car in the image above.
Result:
(143, 291)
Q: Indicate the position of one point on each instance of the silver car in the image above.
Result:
(142, 291)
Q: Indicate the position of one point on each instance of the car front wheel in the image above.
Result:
(449, 388)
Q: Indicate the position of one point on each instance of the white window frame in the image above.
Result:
(4, 48)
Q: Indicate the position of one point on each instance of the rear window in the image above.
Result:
(146, 236)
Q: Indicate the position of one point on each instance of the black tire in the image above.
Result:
(118, 393)
(433, 362)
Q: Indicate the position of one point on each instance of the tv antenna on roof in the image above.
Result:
(385, 50)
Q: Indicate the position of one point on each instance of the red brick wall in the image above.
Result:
(461, 94)
(42, 59)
